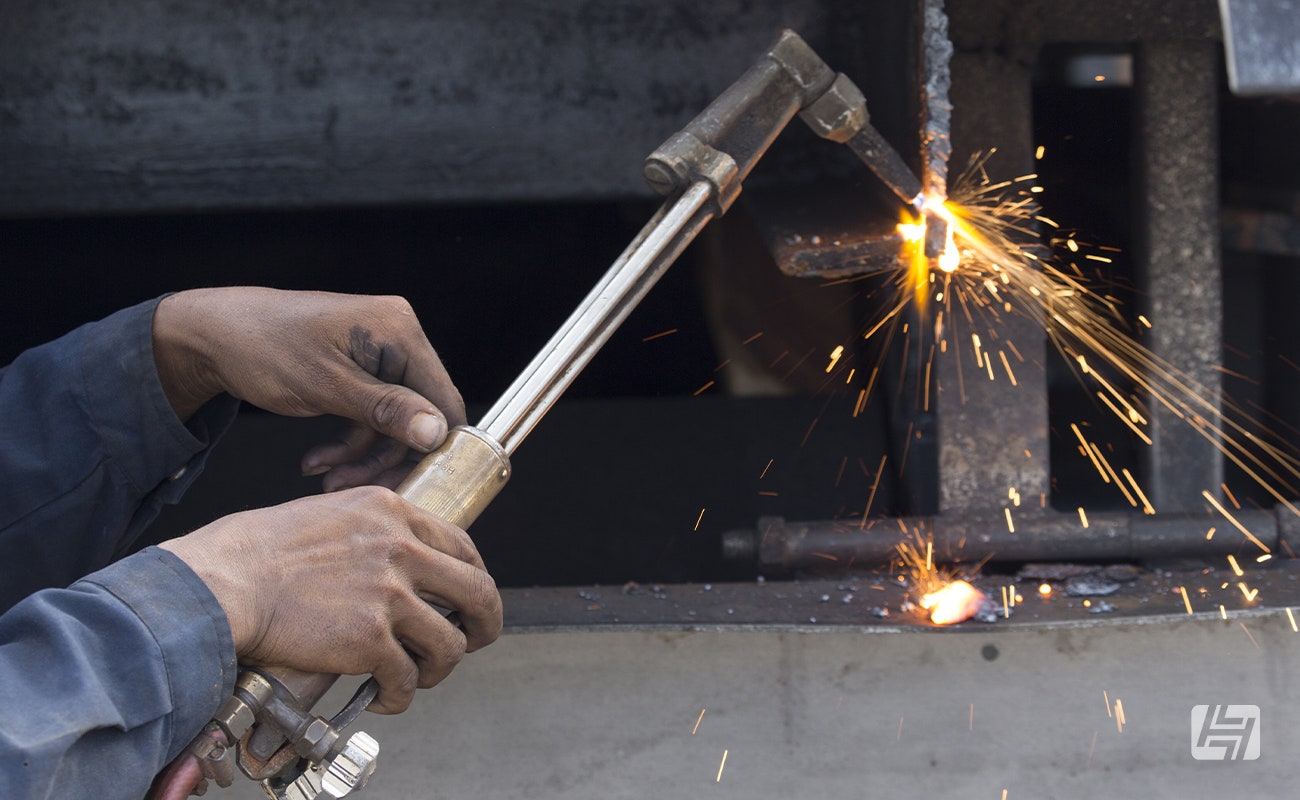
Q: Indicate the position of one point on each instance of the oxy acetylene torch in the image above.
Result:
(267, 727)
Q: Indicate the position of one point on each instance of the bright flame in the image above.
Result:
(918, 271)
(911, 232)
(956, 602)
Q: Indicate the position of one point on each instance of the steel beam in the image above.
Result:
(1179, 256)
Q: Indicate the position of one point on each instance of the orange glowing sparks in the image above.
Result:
(659, 335)
(1219, 507)
(697, 721)
(1236, 568)
(720, 766)
(993, 232)
(1291, 617)
(698, 519)
(835, 357)
(988, 271)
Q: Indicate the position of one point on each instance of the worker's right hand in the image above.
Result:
(338, 583)
(302, 354)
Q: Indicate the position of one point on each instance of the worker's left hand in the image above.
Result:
(304, 354)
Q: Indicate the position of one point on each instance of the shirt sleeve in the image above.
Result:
(90, 450)
(127, 650)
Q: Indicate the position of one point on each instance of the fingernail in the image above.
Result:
(426, 431)
(319, 469)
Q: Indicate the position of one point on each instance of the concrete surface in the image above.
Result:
(996, 712)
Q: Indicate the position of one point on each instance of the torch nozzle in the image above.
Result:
(884, 160)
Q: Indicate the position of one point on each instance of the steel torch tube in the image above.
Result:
(1045, 536)
(605, 307)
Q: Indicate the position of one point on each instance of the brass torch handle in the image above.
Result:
(458, 480)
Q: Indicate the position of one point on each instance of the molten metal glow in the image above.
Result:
(918, 269)
(950, 258)
(956, 602)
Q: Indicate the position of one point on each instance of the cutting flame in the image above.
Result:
(914, 231)
(918, 270)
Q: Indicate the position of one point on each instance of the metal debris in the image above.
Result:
(1055, 572)
(1090, 586)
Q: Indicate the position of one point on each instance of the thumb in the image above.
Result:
(399, 413)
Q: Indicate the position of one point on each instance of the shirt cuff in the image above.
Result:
(122, 409)
(190, 628)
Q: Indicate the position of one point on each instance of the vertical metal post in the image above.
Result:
(992, 435)
(1177, 108)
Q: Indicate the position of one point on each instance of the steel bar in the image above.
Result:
(1043, 536)
(934, 81)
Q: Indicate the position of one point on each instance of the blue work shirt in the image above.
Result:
(108, 667)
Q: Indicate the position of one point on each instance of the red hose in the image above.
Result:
(184, 776)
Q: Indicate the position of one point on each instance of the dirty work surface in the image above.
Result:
(1081, 594)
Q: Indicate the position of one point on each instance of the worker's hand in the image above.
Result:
(337, 583)
(303, 354)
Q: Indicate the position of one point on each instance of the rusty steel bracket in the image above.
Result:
(776, 545)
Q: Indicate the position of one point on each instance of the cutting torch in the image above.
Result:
(267, 728)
